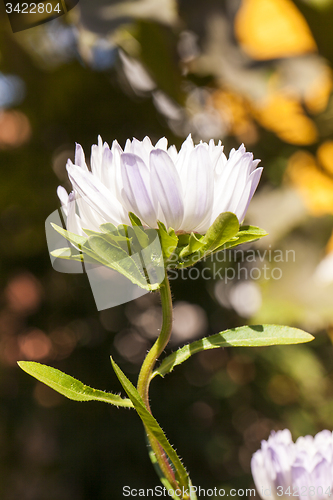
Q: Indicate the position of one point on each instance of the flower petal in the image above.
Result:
(166, 188)
(137, 192)
(248, 193)
(63, 197)
(80, 159)
(232, 181)
(200, 189)
(162, 144)
(94, 193)
(73, 220)
(183, 164)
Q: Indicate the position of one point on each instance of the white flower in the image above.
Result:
(185, 190)
(282, 468)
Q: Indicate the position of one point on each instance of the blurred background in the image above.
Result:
(252, 71)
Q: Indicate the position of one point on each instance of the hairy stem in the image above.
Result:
(145, 376)
(160, 344)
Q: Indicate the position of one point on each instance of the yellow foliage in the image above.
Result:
(236, 115)
(313, 185)
(325, 156)
(284, 115)
(270, 29)
(329, 248)
(317, 95)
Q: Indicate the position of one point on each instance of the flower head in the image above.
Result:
(185, 190)
(282, 468)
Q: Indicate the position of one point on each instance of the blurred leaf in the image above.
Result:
(270, 29)
(69, 386)
(151, 424)
(244, 336)
(159, 56)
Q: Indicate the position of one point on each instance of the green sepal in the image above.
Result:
(152, 425)
(141, 234)
(69, 386)
(243, 336)
(168, 239)
(135, 221)
(183, 239)
(195, 244)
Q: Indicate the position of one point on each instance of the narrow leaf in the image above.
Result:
(112, 233)
(244, 336)
(69, 386)
(246, 234)
(142, 237)
(110, 236)
(152, 425)
(119, 260)
(108, 228)
(73, 238)
(158, 471)
(66, 253)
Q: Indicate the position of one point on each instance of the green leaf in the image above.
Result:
(140, 234)
(109, 236)
(113, 234)
(73, 238)
(169, 240)
(158, 471)
(140, 237)
(66, 253)
(152, 425)
(69, 386)
(195, 244)
(108, 227)
(224, 228)
(246, 234)
(243, 336)
(183, 239)
(119, 260)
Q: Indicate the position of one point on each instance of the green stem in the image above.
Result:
(146, 372)
(160, 344)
